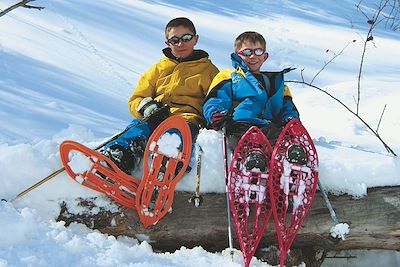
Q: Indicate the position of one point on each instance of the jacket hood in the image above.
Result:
(197, 54)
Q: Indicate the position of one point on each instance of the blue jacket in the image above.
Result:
(239, 94)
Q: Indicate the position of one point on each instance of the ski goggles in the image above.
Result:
(176, 40)
(248, 52)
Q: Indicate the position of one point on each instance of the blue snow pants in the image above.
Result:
(141, 131)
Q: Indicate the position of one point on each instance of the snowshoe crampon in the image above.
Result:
(248, 185)
(166, 159)
(94, 170)
(294, 179)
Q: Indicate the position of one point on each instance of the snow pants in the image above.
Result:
(138, 132)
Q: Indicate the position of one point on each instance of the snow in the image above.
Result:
(340, 230)
(168, 144)
(79, 163)
(67, 71)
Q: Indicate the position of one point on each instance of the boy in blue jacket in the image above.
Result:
(246, 96)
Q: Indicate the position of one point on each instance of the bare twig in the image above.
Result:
(392, 17)
(384, 7)
(331, 60)
(23, 3)
(377, 17)
(380, 118)
(372, 22)
(351, 111)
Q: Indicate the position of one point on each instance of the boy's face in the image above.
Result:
(183, 48)
(253, 61)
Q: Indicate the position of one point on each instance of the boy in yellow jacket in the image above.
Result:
(177, 84)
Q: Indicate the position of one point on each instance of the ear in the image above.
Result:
(266, 55)
(196, 39)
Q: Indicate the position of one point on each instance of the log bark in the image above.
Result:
(374, 223)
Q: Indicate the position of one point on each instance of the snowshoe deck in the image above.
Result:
(94, 170)
(294, 179)
(248, 190)
(162, 172)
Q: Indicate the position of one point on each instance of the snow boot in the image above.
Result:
(122, 157)
(297, 154)
(255, 160)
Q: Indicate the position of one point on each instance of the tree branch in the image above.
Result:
(380, 119)
(351, 111)
(331, 60)
(377, 17)
(373, 22)
(23, 3)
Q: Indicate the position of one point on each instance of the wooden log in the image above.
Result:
(374, 223)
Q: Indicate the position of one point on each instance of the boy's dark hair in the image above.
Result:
(181, 21)
(252, 37)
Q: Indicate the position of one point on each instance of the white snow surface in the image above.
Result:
(67, 71)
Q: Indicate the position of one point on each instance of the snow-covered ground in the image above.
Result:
(67, 71)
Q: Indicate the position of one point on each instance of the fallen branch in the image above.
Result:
(374, 221)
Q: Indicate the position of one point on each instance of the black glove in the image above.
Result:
(159, 115)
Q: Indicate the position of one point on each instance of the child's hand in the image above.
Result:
(159, 115)
(218, 119)
(147, 107)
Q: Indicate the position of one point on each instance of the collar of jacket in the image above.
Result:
(238, 63)
(197, 54)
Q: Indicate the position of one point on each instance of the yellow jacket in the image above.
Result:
(181, 85)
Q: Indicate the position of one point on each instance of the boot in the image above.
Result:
(122, 157)
(297, 154)
(255, 160)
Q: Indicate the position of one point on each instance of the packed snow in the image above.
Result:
(67, 71)
(168, 144)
